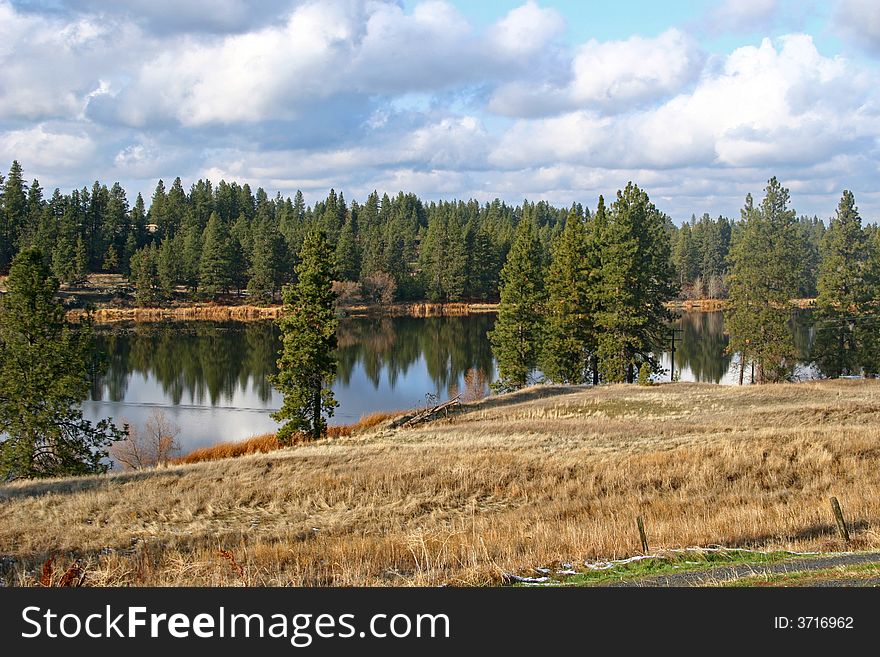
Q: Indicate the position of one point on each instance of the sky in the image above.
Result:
(698, 102)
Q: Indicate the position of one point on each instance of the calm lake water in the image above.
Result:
(210, 377)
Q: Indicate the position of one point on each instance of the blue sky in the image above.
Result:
(699, 102)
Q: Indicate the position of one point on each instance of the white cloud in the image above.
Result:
(611, 75)
(859, 20)
(45, 148)
(526, 29)
(756, 111)
(172, 16)
(50, 68)
(324, 49)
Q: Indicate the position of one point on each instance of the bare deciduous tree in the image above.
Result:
(380, 287)
(155, 444)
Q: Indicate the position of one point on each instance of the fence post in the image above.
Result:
(641, 523)
(838, 516)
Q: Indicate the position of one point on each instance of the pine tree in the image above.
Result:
(64, 255)
(811, 235)
(215, 268)
(267, 262)
(35, 207)
(144, 275)
(93, 231)
(13, 214)
(116, 226)
(443, 258)
(43, 381)
(307, 365)
(684, 256)
(373, 246)
(111, 259)
(348, 256)
(138, 221)
(763, 279)
(174, 210)
(127, 253)
(241, 244)
(517, 335)
(569, 321)
(45, 235)
(635, 280)
(846, 295)
(482, 268)
(191, 256)
(81, 260)
(158, 212)
(168, 266)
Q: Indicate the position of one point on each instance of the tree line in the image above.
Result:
(212, 240)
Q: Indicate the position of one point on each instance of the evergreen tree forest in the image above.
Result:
(212, 241)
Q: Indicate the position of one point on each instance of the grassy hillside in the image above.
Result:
(544, 477)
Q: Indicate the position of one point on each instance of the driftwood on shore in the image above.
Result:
(429, 413)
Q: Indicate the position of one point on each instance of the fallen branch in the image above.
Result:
(429, 413)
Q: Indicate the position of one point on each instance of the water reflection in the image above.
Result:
(701, 347)
(211, 377)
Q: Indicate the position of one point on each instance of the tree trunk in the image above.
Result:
(316, 418)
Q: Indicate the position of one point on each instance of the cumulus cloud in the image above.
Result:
(47, 148)
(611, 75)
(322, 50)
(527, 29)
(51, 67)
(755, 111)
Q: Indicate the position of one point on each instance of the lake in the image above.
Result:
(210, 378)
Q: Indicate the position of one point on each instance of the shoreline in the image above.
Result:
(248, 313)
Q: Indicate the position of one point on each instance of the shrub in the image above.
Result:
(156, 444)
(380, 287)
(347, 292)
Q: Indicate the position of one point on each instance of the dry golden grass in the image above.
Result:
(268, 442)
(207, 312)
(543, 476)
(713, 305)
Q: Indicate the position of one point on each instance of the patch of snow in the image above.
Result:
(526, 580)
(608, 565)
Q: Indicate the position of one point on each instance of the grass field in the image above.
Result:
(541, 478)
